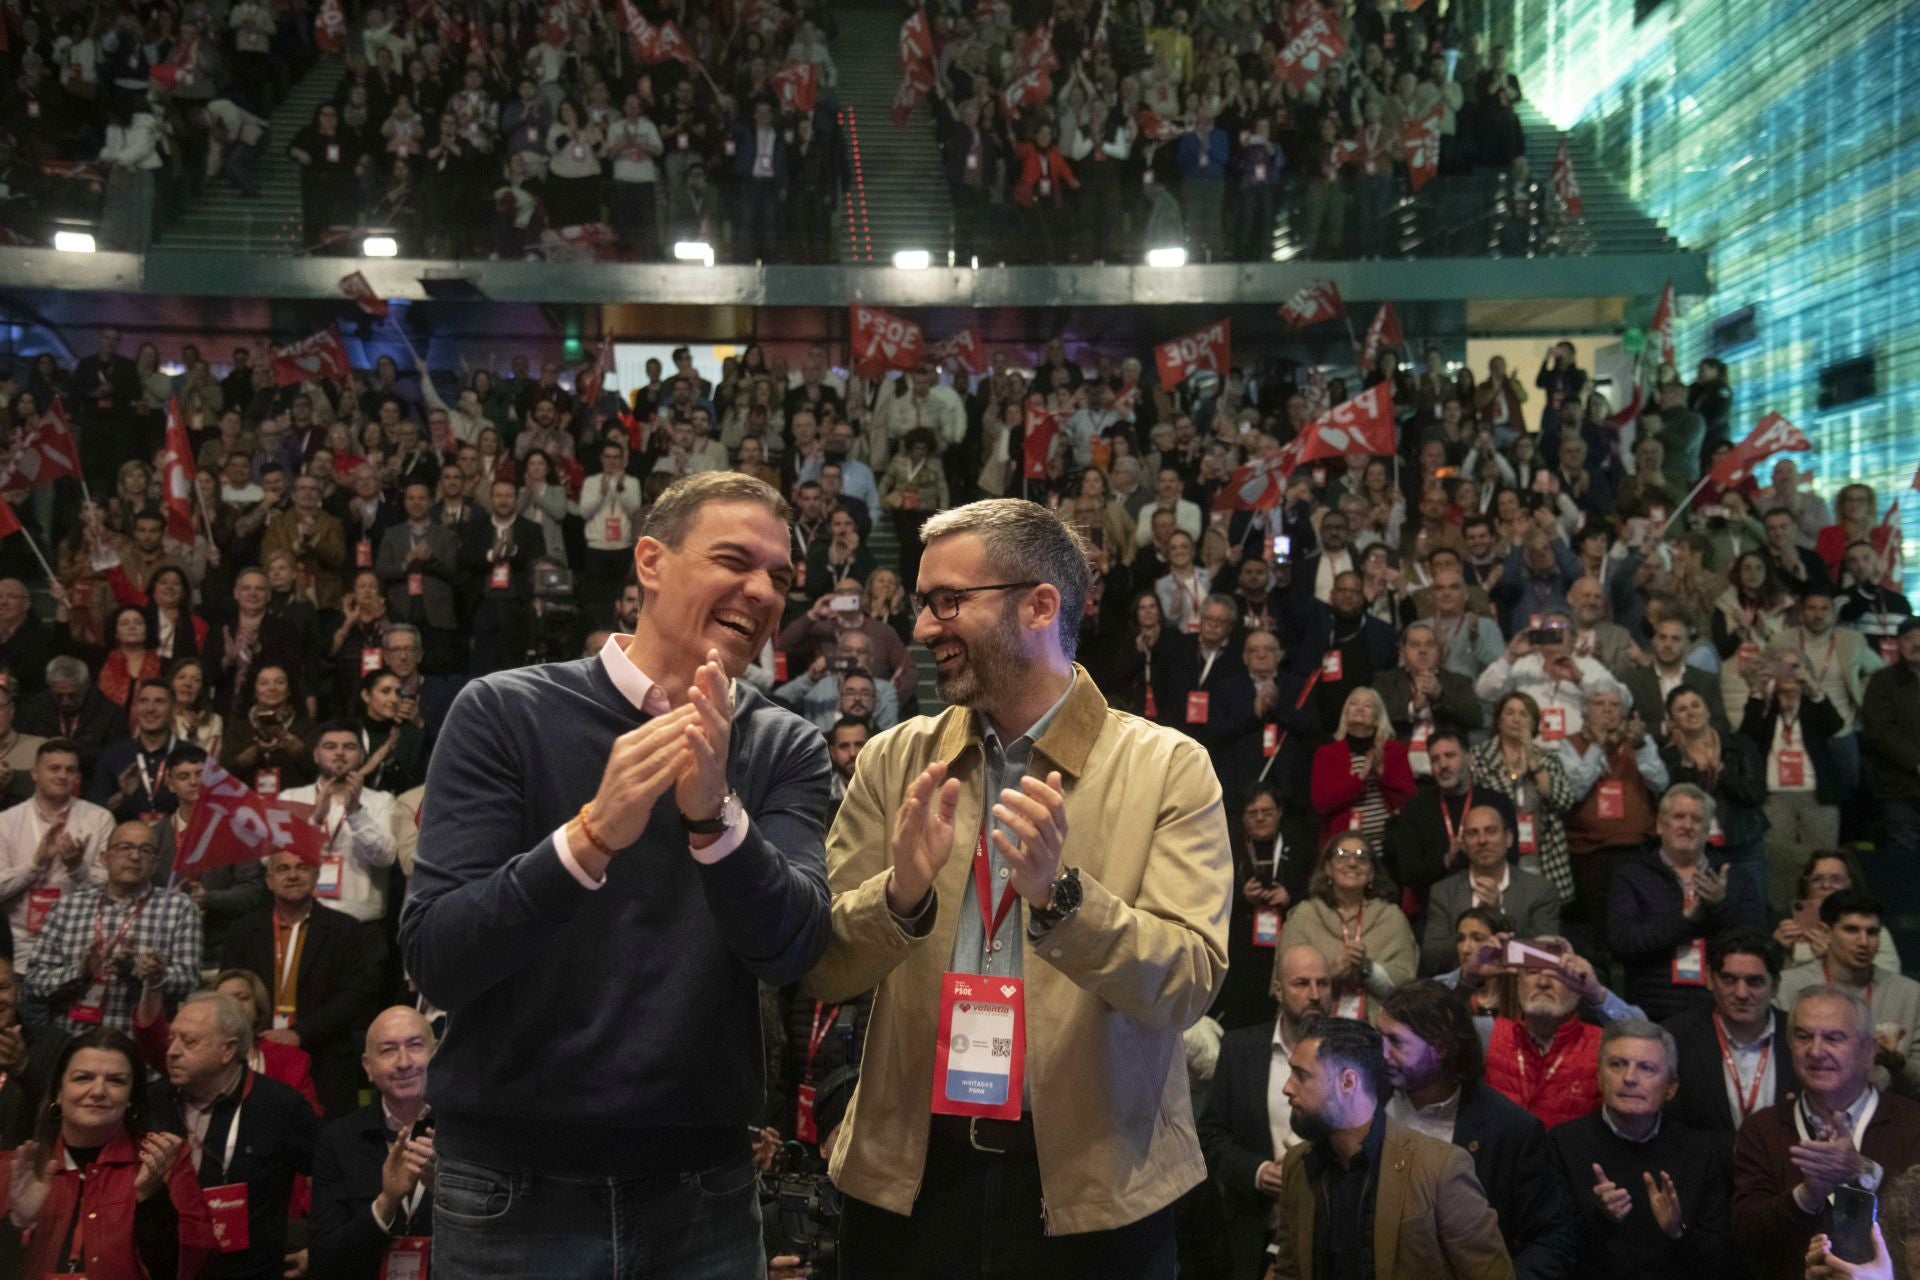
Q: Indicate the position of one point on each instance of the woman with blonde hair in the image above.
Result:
(1349, 916)
(1363, 776)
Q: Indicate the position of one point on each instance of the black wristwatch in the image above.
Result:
(729, 810)
(1063, 901)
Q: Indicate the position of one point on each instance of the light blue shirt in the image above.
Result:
(1006, 765)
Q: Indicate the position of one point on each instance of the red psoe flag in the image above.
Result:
(1360, 428)
(1420, 148)
(354, 285)
(965, 347)
(1209, 348)
(1254, 486)
(45, 453)
(1043, 427)
(1317, 302)
(1384, 334)
(1566, 187)
(795, 85)
(1661, 327)
(9, 522)
(1316, 44)
(176, 476)
(1774, 434)
(233, 824)
(320, 356)
(883, 341)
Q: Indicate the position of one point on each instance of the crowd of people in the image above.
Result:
(1096, 132)
(111, 119)
(554, 133)
(1523, 683)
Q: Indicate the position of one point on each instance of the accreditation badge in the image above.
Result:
(979, 1065)
(227, 1206)
(1690, 963)
(1266, 927)
(407, 1258)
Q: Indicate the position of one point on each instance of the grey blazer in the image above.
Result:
(1530, 902)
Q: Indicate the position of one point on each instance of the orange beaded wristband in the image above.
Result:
(586, 827)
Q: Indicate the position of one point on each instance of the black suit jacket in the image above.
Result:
(347, 1243)
(1644, 685)
(1237, 1140)
(27, 652)
(1456, 707)
(100, 722)
(1510, 1157)
(1702, 1102)
(333, 993)
(277, 1131)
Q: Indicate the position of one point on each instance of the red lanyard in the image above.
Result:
(1453, 828)
(1827, 976)
(824, 1016)
(1520, 1056)
(1359, 923)
(1820, 674)
(1786, 729)
(1748, 1100)
(990, 918)
(126, 926)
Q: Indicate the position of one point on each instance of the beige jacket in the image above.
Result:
(1109, 990)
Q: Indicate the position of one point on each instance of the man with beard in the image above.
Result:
(1366, 1195)
(1248, 1123)
(1102, 841)
(683, 868)
(1547, 1060)
(1436, 1064)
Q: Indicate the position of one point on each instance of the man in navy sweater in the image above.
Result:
(598, 947)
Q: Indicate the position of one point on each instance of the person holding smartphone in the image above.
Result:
(371, 1166)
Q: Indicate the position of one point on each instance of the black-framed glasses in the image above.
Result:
(944, 602)
(130, 847)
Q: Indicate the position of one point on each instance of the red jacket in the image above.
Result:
(1336, 791)
(106, 1207)
(1559, 1085)
(1026, 187)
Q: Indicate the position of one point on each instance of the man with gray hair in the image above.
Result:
(248, 1134)
(1789, 1159)
(1667, 900)
(1649, 1194)
(71, 707)
(1028, 849)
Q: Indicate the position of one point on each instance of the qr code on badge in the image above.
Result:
(1002, 1047)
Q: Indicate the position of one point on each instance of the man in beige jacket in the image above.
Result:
(1110, 834)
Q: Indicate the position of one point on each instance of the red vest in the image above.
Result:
(1559, 1085)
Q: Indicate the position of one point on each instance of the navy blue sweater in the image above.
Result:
(611, 1031)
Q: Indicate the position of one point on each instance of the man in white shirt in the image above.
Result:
(928, 403)
(1734, 1057)
(1247, 1128)
(610, 505)
(1550, 672)
(1167, 487)
(1090, 422)
(1793, 493)
(358, 821)
(50, 844)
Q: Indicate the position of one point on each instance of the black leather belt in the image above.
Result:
(991, 1137)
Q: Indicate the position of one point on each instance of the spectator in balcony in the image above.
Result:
(234, 135)
(633, 143)
(1256, 170)
(395, 208)
(1324, 222)
(403, 133)
(1040, 194)
(761, 167)
(1374, 192)
(518, 214)
(524, 125)
(819, 174)
(810, 45)
(131, 153)
(1200, 156)
(573, 168)
(1683, 436)
(693, 209)
(971, 159)
(328, 162)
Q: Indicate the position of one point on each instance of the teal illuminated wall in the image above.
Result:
(1775, 134)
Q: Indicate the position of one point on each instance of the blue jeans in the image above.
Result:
(529, 1226)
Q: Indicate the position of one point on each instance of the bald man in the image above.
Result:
(370, 1173)
(1247, 1127)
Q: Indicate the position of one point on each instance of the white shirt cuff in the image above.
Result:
(567, 860)
(386, 1228)
(729, 841)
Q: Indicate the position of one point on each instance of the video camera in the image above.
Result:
(806, 1206)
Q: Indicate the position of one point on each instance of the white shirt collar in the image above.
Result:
(1606, 1113)
(633, 683)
